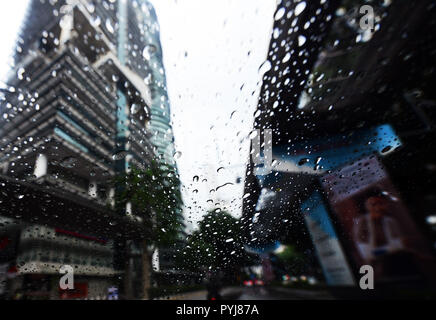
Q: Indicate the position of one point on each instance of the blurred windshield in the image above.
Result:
(211, 150)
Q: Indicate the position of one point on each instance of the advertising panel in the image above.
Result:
(327, 245)
(376, 223)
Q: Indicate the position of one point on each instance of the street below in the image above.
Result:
(258, 293)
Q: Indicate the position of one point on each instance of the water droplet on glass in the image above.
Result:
(119, 155)
(300, 8)
(303, 161)
(279, 14)
(134, 108)
(20, 73)
(301, 40)
(96, 21)
(265, 67)
(149, 51)
(109, 26)
(386, 149)
(68, 162)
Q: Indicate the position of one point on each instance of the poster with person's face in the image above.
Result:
(376, 224)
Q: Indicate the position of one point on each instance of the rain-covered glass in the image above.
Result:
(221, 149)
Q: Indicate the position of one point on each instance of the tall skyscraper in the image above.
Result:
(86, 100)
(160, 121)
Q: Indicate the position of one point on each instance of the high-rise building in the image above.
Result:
(86, 100)
(349, 108)
(72, 80)
(160, 121)
(159, 124)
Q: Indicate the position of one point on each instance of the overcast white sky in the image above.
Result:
(11, 14)
(212, 51)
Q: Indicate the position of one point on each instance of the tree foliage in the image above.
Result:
(154, 193)
(217, 245)
(293, 261)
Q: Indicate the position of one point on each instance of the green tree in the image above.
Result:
(293, 260)
(217, 245)
(154, 193)
(155, 196)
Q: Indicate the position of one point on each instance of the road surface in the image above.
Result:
(258, 293)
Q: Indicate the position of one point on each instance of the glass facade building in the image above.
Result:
(81, 108)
